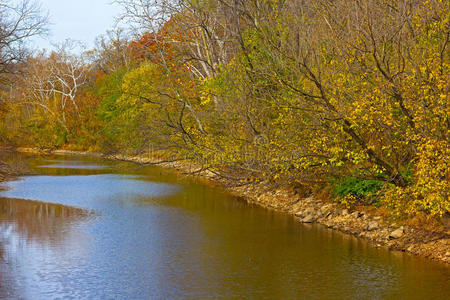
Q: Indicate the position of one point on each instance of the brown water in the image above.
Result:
(93, 229)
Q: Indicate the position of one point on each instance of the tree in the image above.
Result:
(52, 85)
(18, 23)
(153, 19)
(113, 52)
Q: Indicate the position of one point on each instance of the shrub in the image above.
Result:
(430, 191)
(352, 191)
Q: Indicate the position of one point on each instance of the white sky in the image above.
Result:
(81, 20)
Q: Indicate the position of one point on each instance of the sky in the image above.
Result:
(81, 20)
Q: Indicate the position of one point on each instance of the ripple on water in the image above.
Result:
(145, 234)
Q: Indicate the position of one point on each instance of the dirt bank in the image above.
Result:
(8, 171)
(363, 224)
(4, 170)
(11, 169)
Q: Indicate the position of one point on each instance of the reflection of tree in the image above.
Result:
(8, 286)
(45, 224)
(38, 221)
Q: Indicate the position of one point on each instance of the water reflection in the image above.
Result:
(31, 226)
(39, 221)
(121, 232)
(98, 192)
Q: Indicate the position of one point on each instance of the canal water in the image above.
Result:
(84, 228)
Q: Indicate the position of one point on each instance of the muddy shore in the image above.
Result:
(363, 224)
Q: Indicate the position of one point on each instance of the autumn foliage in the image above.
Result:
(342, 94)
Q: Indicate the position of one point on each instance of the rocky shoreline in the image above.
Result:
(362, 224)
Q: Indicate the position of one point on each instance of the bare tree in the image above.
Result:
(207, 33)
(18, 22)
(68, 73)
(112, 51)
(53, 82)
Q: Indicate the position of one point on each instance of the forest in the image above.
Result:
(346, 96)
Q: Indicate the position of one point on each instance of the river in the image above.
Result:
(85, 228)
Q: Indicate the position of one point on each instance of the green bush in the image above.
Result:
(363, 190)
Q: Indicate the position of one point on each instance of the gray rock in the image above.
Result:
(308, 219)
(398, 233)
(325, 208)
(309, 211)
(356, 214)
(299, 214)
(373, 225)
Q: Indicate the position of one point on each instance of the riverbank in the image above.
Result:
(4, 171)
(364, 223)
(10, 170)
